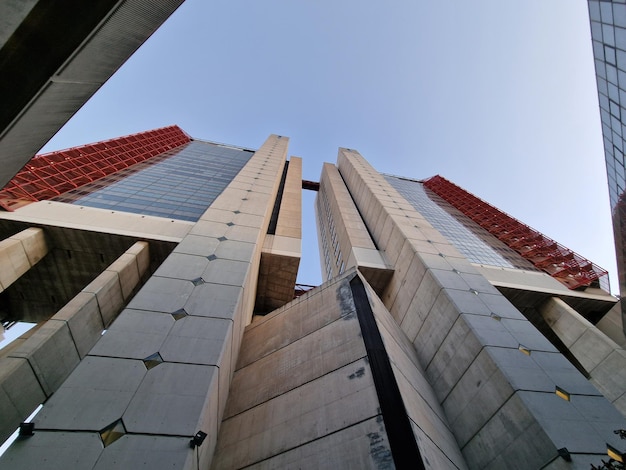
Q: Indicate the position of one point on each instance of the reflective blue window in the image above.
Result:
(474, 242)
(178, 184)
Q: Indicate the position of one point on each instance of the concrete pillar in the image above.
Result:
(290, 214)
(611, 325)
(19, 253)
(603, 359)
(282, 250)
(348, 242)
(34, 370)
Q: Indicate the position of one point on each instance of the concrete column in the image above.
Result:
(290, 215)
(34, 370)
(603, 359)
(346, 243)
(611, 325)
(19, 253)
(282, 250)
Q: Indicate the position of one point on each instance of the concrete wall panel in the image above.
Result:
(13, 260)
(51, 353)
(610, 377)
(128, 272)
(141, 252)
(136, 334)
(303, 318)
(20, 394)
(299, 416)
(513, 439)
(54, 451)
(162, 294)
(214, 300)
(34, 242)
(474, 400)
(227, 272)
(457, 351)
(95, 395)
(108, 291)
(367, 443)
(580, 423)
(316, 354)
(425, 295)
(434, 328)
(198, 245)
(170, 400)
(154, 452)
(83, 318)
(436, 442)
(182, 266)
(235, 250)
(198, 340)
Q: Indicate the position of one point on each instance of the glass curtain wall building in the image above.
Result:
(608, 32)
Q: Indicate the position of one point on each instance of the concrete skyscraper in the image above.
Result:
(161, 270)
(202, 225)
(446, 334)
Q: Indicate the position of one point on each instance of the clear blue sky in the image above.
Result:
(497, 96)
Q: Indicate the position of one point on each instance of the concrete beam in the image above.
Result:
(19, 253)
(54, 56)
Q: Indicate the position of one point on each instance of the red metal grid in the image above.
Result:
(48, 175)
(560, 262)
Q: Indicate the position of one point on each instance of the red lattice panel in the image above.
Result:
(560, 262)
(48, 175)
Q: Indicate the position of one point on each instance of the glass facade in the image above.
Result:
(474, 242)
(608, 33)
(178, 184)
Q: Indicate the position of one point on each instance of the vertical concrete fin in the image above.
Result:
(282, 247)
(289, 223)
(343, 233)
(404, 449)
